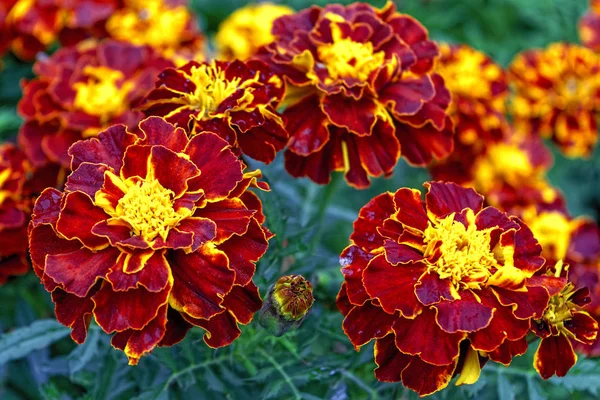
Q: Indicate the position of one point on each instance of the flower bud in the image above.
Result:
(288, 303)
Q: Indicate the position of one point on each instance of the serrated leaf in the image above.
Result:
(22, 341)
(81, 356)
(505, 388)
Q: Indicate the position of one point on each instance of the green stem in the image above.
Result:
(359, 382)
(327, 196)
(284, 374)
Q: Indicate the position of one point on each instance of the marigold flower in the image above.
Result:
(288, 303)
(563, 322)
(577, 242)
(589, 26)
(235, 99)
(511, 174)
(13, 213)
(558, 95)
(81, 91)
(154, 233)
(20, 183)
(479, 91)
(364, 76)
(166, 25)
(442, 285)
(247, 29)
(33, 25)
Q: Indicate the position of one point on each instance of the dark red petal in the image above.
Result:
(398, 253)
(230, 216)
(422, 145)
(465, 314)
(370, 217)
(107, 149)
(410, 208)
(149, 269)
(509, 349)
(221, 329)
(77, 218)
(444, 198)
(491, 217)
(504, 325)
(203, 229)
(133, 309)
(416, 336)
(307, 135)
(244, 251)
(356, 115)
(177, 328)
(407, 96)
(160, 132)
(393, 285)
(583, 327)
(390, 362)
(379, 152)
(201, 280)
(431, 289)
(171, 169)
(342, 302)
(529, 304)
(220, 170)
(353, 261)
(554, 355)
(79, 270)
(74, 312)
(367, 322)
(87, 178)
(137, 343)
(426, 378)
(47, 207)
(243, 302)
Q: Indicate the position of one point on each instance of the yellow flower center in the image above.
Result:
(503, 163)
(466, 258)
(345, 58)
(104, 94)
(148, 208)
(559, 309)
(212, 87)
(552, 230)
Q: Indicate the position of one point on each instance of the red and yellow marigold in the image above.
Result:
(577, 242)
(564, 322)
(589, 26)
(81, 91)
(479, 91)
(247, 29)
(14, 214)
(442, 285)
(235, 99)
(558, 96)
(33, 25)
(153, 234)
(166, 25)
(363, 75)
(510, 174)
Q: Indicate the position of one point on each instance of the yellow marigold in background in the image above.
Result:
(166, 25)
(247, 29)
(479, 91)
(511, 173)
(558, 96)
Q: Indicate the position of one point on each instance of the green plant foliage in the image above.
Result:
(312, 224)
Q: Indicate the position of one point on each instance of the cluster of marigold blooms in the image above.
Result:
(130, 190)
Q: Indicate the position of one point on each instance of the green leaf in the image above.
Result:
(505, 388)
(82, 355)
(23, 341)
